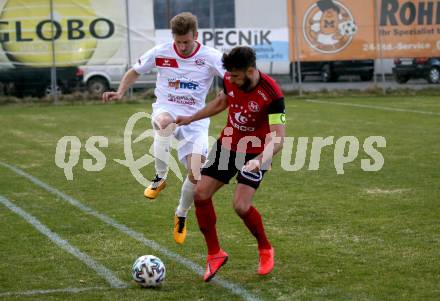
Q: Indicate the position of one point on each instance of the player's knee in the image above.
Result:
(240, 207)
(164, 123)
(200, 195)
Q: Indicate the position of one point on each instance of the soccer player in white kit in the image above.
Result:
(185, 71)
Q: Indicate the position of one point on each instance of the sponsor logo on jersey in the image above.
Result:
(239, 121)
(240, 118)
(240, 127)
(166, 62)
(182, 84)
(183, 100)
(253, 106)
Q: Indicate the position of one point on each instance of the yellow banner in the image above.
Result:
(81, 31)
(353, 29)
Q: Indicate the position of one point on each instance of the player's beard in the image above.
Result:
(246, 86)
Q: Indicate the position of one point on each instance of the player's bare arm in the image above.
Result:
(217, 105)
(127, 81)
(273, 144)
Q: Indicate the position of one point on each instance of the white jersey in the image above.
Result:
(182, 82)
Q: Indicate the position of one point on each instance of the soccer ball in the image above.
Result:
(148, 271)
(347, 28)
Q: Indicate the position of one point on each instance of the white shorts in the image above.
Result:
(192, 138)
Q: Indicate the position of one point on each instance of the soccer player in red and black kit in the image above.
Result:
(253, 134)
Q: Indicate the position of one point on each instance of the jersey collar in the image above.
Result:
(189, 56)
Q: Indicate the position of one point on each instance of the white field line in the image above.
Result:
(101, 270)
(232, 287)
(71, 290)
(371, 107)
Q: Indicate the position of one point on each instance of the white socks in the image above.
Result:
(186, 198)
(161, 154)
(162, 157)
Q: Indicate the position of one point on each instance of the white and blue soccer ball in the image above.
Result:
(148, 271)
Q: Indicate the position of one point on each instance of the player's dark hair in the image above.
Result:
(239, 58)
(183, 23)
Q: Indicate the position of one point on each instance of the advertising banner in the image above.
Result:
(82, 32)
(350, 29)
(269, 44)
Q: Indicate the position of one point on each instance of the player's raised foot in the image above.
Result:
(214, 263)
(156, 186)
(179, 229)
(267, 261)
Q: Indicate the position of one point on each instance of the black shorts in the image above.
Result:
(222, 164)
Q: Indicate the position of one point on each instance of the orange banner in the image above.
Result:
(353, 29)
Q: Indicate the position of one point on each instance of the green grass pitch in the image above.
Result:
(355, 236)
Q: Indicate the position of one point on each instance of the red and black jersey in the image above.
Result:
(248, 114)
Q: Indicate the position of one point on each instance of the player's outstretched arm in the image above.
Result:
(215, 106)
(129, 79)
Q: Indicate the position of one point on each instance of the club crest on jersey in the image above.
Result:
(231, 94)
(253, 106)
(200, 61)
